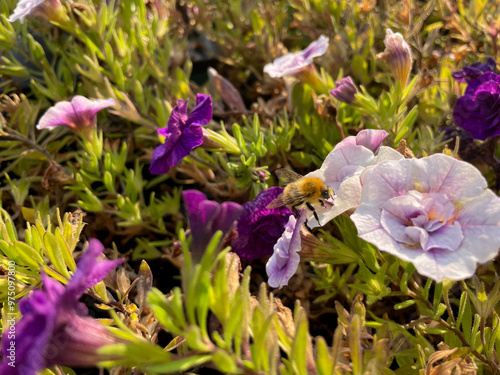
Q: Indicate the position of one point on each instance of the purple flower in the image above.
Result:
(79, 114)
(50, 9)
(472, 72)
(259, 227)
(369, 138)
(55, 328)
(478, 111)
(435, 212)
(297, 62)
(397, 55)
(342, 168)
(345, 91)
(182, 134)
(285, 259)
(207, 217)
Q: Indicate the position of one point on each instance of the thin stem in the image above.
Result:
(448, 307)
(30, 143)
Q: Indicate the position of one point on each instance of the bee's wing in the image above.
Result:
(285, 176)
(277, 202)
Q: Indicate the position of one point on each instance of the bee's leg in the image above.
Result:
(307, 227)
(321, 202)
(314, 212)
(295, 211)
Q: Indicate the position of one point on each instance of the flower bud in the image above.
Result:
(345, 91)
(397, 55)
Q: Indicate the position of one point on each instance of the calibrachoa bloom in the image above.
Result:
(55, 328)
(79, 114)
(259, 227)
(435, 212)
(182, 134)
(342, 168)
(472, 72)
(478, 111)
(397, 55)
(285, 259)
(50, 9)
(345, 90)
(207, 217)
(296, 62)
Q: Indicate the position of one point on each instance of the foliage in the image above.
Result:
(354, 310)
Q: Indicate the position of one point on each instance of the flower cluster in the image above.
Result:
(342, 168)
(55, 328)
(435, 212)
(182, 134)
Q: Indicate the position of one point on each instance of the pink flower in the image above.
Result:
(79, 114)
(435, 212)
(297, 62)
(285, 259)
(50, 9)
(342, 168)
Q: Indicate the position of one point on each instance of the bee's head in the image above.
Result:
(327, 192)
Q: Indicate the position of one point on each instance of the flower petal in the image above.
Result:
(89, 270)
(202, 113)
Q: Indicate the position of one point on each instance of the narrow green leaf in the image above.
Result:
(54, 253)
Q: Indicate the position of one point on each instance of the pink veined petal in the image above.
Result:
(86, 109)
(316, 48)
(371, 138)
(62, 114)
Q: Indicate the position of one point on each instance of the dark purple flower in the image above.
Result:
(478, 111)
(472, 72)
(207, 217)
(259, 227)
(55, 327)
(182, 134)
(79, 114)
(345, 91)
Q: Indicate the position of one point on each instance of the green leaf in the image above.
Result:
(225, 362)
(180, 365)
(55, 255)
(28, 255)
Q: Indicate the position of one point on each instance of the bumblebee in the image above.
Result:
(299, 191)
